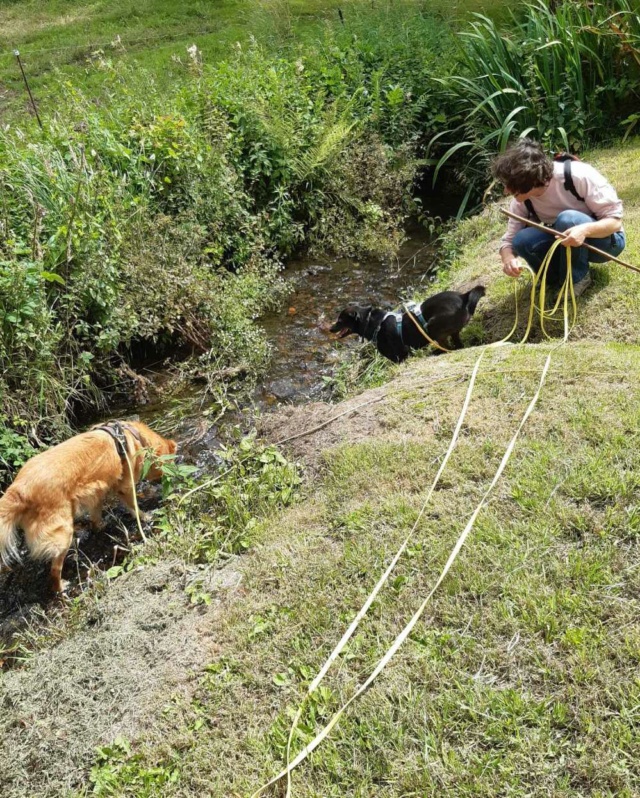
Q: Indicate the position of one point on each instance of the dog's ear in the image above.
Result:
(362, 312)
(172, 446)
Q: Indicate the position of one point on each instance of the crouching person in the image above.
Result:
(567, 195)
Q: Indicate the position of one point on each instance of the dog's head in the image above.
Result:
(155, 443)
(351, 320)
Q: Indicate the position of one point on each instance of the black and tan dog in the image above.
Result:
(442, 317)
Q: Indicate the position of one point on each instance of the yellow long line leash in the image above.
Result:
(135, 496)
(565, 295)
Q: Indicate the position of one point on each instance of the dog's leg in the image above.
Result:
(59, 543)
(457, 342)
(444, 343)
(126, 495)
(56, 583)
(48, 536)
(95, 513)
(95, 518)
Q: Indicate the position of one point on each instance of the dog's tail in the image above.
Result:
(11, 507)
(471, 298)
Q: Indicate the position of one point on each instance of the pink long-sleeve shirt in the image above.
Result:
(600, 199)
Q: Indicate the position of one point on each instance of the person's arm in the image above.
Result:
(601, 228)
(603, 203)
(510, 265)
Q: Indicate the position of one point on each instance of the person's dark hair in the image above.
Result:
(523, 166)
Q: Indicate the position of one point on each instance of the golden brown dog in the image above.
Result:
(54, 487)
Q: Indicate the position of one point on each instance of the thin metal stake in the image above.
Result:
(26, 83)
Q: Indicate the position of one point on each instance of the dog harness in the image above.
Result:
(413, 308)
(116, 430)
(374, 337)
(416, 311)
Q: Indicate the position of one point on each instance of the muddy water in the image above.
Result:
(303, 353)
(303, 356)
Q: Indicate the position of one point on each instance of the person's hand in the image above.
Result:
(574, 236)
(512, 267)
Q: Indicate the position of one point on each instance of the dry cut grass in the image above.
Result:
(521, 678)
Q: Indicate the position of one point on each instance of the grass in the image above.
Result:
(62, 37)
(522, 677)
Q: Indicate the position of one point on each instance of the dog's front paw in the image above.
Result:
(60, 588)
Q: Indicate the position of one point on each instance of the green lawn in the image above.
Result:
(66, 38)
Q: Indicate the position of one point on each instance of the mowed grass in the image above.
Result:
(521, 679)
(523, 676)
(66, 39)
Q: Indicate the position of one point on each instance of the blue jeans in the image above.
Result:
(532, 245)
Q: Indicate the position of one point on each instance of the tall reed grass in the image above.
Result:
(552, 74)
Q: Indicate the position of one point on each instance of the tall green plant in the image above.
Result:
(551, 75)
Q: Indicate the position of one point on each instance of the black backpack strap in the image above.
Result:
(568, 181)
(531, 211)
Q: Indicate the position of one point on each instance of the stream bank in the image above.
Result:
(304, 357)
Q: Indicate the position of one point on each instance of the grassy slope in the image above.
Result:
(522, 677)
(60, 35)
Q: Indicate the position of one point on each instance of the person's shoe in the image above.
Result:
(581, 287)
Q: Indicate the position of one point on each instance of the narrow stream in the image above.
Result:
(303, 355)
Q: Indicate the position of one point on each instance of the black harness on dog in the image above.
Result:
(413, 308)
(116, 430)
